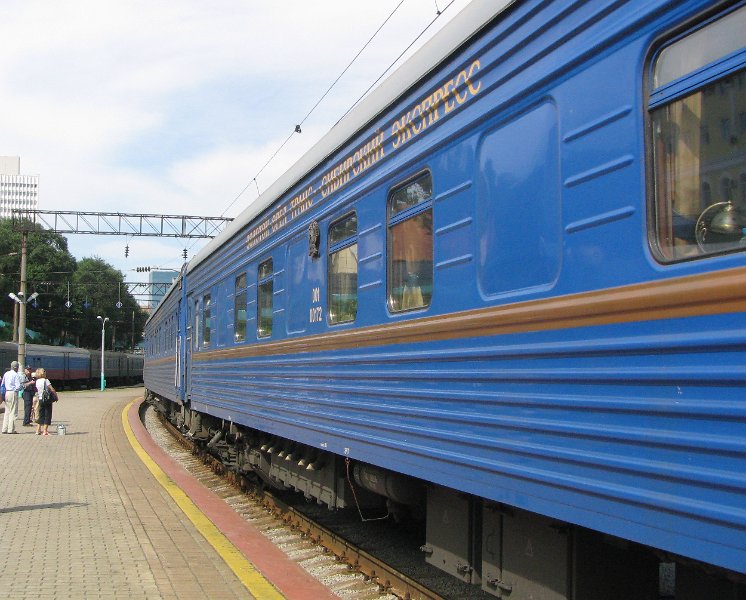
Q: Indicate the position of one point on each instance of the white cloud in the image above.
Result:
(173, 107)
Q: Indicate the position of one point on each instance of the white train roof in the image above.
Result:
(462, 27)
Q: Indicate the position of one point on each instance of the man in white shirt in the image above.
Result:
(13, 383)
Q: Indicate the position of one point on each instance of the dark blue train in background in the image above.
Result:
(507, 292)
(77, 367)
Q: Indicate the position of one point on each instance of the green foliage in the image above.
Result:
(102, 287)
(95, 289)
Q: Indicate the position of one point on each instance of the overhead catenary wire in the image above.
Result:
(297, 127)
(334, 83)
(398, 58)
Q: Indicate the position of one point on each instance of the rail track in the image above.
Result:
(350, 571)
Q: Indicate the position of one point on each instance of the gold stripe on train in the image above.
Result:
(720, 292)
(162, 361)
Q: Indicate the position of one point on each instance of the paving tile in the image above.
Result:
(81, 516)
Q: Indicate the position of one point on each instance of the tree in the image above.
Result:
(98, 289)
(95, 288)
(48, 261)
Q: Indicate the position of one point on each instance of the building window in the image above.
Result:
(206, 319)
(410, 245)
(265, 293)
(239, 309)
(342, 288)
(695, 90)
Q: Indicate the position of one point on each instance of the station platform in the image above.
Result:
(102, 512)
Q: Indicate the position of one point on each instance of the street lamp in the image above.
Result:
(21, 300)
(103, 331)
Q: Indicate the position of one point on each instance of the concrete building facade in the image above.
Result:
(17, 191)
(163, 277)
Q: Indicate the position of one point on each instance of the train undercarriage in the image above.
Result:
(507, 552)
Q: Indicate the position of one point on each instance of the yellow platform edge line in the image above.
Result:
(252, 579)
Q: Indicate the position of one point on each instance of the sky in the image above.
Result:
(173, 107)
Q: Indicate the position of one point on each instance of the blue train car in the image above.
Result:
(162, 342)
(513, 277)
(120, 368)
(77, 367)
(64, 365)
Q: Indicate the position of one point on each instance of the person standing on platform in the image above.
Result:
(45, 407)
(29, 389)
(13, 383)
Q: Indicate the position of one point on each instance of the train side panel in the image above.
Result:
(62, 364)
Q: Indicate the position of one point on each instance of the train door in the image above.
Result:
(188, 343)
(181, 363)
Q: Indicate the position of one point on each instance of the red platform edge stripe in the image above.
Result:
(287, 576)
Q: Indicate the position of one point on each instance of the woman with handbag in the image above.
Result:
(46, 393)
(29, 390)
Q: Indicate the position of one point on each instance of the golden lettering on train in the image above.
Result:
(449, 96)
(278, 214)
(336, 178)
(445, 99)
(301, 198)
(279, 224)
(368, 154)
(256, 235)
(447, 89)
(300, 208)
(363, 158)
(460, 98)
(476, 65)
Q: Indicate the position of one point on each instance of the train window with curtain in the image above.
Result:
(206, 319)
(410, 245)
(239, 309)
(265, 292)
(342, 265)
(698, 135)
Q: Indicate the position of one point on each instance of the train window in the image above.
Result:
(239, 309)
(698, 123)
(342, 265)
(206, 319)
(410, 245)
(265, 293)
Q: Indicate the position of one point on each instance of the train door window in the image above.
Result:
(342, 286)
(265, 292)
(206, 319)
(239, 309)
(410, 245)
(697, 97)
